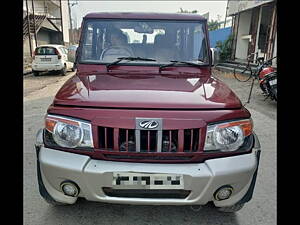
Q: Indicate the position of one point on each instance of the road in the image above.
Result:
(39, 93)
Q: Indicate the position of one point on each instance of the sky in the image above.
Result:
(84, 7)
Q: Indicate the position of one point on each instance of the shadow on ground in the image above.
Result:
(101, 213)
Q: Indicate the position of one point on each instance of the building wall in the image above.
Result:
(235, 6)
(51, 8)
(219, 35)
(243, 29)
(43, 37)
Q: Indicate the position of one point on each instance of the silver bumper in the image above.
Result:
(202, 179)
(47, 67)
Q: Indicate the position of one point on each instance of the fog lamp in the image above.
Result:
(223, 193)
(70, 189)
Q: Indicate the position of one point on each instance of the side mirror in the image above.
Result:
(215, 56)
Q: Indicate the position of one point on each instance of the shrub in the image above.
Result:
(225, 48)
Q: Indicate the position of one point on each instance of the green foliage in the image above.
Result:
(225, 48)
(186, 11)
(213, 25)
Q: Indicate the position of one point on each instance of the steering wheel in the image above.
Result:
(116, 51)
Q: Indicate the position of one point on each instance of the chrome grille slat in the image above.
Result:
(137, 140)
(157, 141)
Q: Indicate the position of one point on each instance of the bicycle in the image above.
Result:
(264, 73)
(247, 73)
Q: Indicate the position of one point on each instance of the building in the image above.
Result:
(44, 22)
(254, 28)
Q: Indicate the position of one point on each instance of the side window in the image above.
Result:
(62, 50)
(87, 48)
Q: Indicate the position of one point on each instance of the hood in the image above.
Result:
(146, 91)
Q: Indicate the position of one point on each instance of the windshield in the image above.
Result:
(45, 51)
(104, 41)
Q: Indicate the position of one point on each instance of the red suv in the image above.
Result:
(143, 121)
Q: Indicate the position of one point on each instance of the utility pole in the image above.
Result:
(28, 28)
(226, 14)
(34, 28)
(71, 29)
(70, 15)
(61, 20)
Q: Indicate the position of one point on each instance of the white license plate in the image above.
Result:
(273, 82)
(46, 59)
(131, 180)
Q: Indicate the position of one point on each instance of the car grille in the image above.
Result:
(148, 141)
(139, 193)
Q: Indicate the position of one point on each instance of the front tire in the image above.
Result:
(64, 71)
(242, 74)
(36, 73)
(231, 209)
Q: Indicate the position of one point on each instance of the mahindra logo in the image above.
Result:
(149, 124)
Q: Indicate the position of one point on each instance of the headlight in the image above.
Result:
(69, 133)
(227, 136)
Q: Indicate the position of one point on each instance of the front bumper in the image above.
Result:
(202, 179)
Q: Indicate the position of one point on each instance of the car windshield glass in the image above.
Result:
(104, 41)
(45, 51)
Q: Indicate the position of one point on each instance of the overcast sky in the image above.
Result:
(214, 8)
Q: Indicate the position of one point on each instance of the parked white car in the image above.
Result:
(72, 52)
(51, 58)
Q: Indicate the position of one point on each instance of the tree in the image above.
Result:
(225, 48)
(213, 25)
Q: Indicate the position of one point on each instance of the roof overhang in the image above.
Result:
(235, 7)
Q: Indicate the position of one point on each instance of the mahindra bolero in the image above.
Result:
(144, 121)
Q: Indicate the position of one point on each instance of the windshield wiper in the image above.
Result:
(175, 62)
(129, 59)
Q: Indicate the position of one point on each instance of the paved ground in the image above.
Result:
(261, 210)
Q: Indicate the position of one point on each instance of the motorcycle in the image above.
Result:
(268, 80)
(267, 76)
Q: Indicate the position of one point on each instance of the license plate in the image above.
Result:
(273, 82)
(46, 59)
(130, 180)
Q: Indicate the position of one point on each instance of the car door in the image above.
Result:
(65, 57)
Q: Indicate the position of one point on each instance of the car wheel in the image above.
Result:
(64, 71)
(231, 209)
(36, 73)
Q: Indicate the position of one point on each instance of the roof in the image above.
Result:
(144, 15)
(50, 45)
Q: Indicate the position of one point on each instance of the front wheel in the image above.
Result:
(231, 209)
(242, 74)
(64, 71)
(36, 73)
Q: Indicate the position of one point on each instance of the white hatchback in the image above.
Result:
(51, 58)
